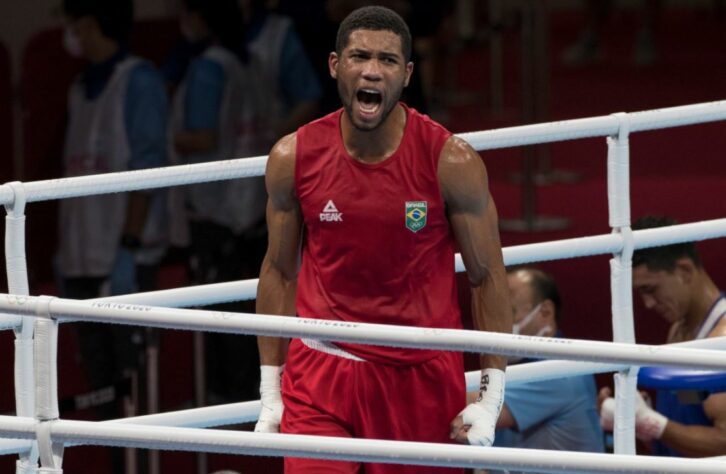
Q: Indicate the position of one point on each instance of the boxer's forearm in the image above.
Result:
(275, 296)
(491, 312)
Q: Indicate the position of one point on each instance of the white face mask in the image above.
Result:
(517, 327)
(543, 331)
(71, 43)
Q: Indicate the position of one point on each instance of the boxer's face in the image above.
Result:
(665, 292)
(371, 72)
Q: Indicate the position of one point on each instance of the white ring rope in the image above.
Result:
(136, 180)
(364, 450)
(616, 356)
(514, 255)
(378, 334)
(245, 412)
(595, 126)
(255, 166)
(206, 417)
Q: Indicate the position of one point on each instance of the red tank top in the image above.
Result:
(377, 246)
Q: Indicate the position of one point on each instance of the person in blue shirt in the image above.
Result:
(672, 281)
(214, 113)
(289, 83)
(552, 414)
(240, 86)
(112, 243)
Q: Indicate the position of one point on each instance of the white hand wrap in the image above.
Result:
(482, 415)
(271, 398)
(649, 424)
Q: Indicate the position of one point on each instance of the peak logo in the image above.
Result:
(330, 213)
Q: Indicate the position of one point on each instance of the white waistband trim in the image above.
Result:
(329, 348)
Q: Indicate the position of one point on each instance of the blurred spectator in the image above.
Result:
(289, 87)
(588, 48)
(241, 80)
(316, 28)
(110, 243)
(429, 53)
(552, 414)
(214, 109)
(281, 92)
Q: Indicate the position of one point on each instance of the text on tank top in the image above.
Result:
(377, 246)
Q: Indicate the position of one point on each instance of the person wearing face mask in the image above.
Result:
(552, 414)
(208, 107)
(117, 120)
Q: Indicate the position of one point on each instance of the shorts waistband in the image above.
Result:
(329, 348)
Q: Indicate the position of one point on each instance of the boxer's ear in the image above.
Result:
(333, 64)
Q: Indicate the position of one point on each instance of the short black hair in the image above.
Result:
(663, 258)
(114, 17)
(377, 19)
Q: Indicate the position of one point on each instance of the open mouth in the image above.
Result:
(369, 100)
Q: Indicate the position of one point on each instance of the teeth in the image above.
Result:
(369, 107)
(369, 100)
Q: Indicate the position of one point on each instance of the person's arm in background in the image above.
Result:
(690, 440)
(145, 118)
(299, 85)
(473, 218)
(529, 404)
(506, 419)
(278, 276)
(202, 102)
(697, 440)
(701, 441)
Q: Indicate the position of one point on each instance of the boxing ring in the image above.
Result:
(38, 434)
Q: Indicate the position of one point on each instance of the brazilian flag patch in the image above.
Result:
(416, 215)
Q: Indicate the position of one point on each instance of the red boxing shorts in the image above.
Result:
(328, 395)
